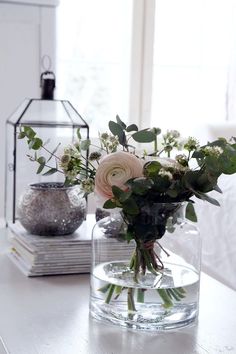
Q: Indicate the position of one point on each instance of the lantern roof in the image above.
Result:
(47, 113)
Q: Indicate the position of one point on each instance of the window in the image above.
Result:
(193, 45)
(94, 41)
(162, 63)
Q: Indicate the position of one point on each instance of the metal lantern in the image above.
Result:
(55, 121)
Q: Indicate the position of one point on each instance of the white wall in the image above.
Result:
(27, 32)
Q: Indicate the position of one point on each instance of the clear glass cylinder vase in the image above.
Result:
(126, 290)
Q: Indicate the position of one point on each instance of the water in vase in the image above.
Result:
(167, 300)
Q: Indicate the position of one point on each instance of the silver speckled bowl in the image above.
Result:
(50, 209)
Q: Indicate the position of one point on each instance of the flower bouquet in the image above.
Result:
(153, 189)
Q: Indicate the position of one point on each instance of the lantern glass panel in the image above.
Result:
(55, 122)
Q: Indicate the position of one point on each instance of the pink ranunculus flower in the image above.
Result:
(114, 170)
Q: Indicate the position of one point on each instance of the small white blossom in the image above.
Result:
(174, 133)
(182, 159)
(94, 156)
(109, 142)
(104, 136)
(88, 185)
(164, 173)
(171, 134)
(215, 151)
(71, 174)
(191, 144)
(65, 159)
(72, 151)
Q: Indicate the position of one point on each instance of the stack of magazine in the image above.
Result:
(46, 255)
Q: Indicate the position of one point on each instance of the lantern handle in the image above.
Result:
(47, 84)
(46, 59)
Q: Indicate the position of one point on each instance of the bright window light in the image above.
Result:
(93, 51)
(192, 53)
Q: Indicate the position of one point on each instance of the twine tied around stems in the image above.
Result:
(155, 259)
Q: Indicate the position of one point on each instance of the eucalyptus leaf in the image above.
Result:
(144, 136)
(50, 172)
(119, 121)
(217, 189)
(109, 204)
(41, 160)
(122, 139)
(172, 193)
(117, 192)
(198, 154)
(140, 186)
(132, 128)
(67, 182)
(156, 131)
(130, 207)
(120, 194)
(53, 152)
(35, 144)
(115, 128)
(29, 132)
(40, 169)
(78, 133)
(152, 168)
(85, 144)
(190, 212)
(228, 165)
(21, 135)
(207, 198)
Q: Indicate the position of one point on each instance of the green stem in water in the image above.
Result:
(140, 295)
(104, 288)
(165, 298)
(172, 294)
(181, 290)
(118, 291)
(131, 305)
(110, 293)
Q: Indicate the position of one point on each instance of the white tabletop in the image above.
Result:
(50, 315)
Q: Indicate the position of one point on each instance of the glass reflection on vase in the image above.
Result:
(147, 299)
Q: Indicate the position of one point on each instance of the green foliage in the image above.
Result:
(130, 207)
(144, 136)
(51, 171)
(78, 134)
(151, 169)
(132, 128)
(119, 194)
(109, 204)
(190, 212)
(161, 183)
(42, 162)
(122, 131)
(118, 130)
(140, 186)
(53, 152)
(119, 121)
(85, 144)
(35, 143)
(28, 132)
(151, 203)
